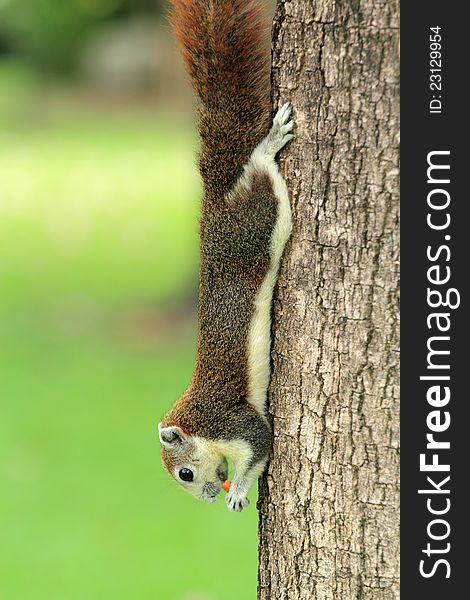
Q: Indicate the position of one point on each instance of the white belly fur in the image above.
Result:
(259, 335)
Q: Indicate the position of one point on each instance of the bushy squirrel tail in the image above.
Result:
(225, 49)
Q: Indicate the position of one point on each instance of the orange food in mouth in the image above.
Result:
(226, 485)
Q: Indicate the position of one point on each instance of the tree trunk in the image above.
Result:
(329, 502)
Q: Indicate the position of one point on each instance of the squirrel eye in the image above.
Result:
(186, 474)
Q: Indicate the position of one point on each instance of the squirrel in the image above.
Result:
(245, 223)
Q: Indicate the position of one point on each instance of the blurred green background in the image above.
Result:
(99, 200)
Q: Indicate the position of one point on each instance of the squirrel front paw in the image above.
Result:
(236, 501)
(280, 134)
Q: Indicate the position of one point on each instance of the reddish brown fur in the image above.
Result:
(234, 261)
(224, 47)
(226, 56)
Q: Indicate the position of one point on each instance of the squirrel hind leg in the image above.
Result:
(263, 156)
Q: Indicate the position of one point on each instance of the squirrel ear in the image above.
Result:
(171, 437)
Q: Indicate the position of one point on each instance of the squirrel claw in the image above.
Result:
(287, 127)
(283, 113)
(279, 134)
(236, 502)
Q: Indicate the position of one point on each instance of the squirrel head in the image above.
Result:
(194, 462)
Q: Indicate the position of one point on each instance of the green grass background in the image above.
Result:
(98, 244)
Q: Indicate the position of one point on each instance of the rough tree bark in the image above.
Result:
(329, 501)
